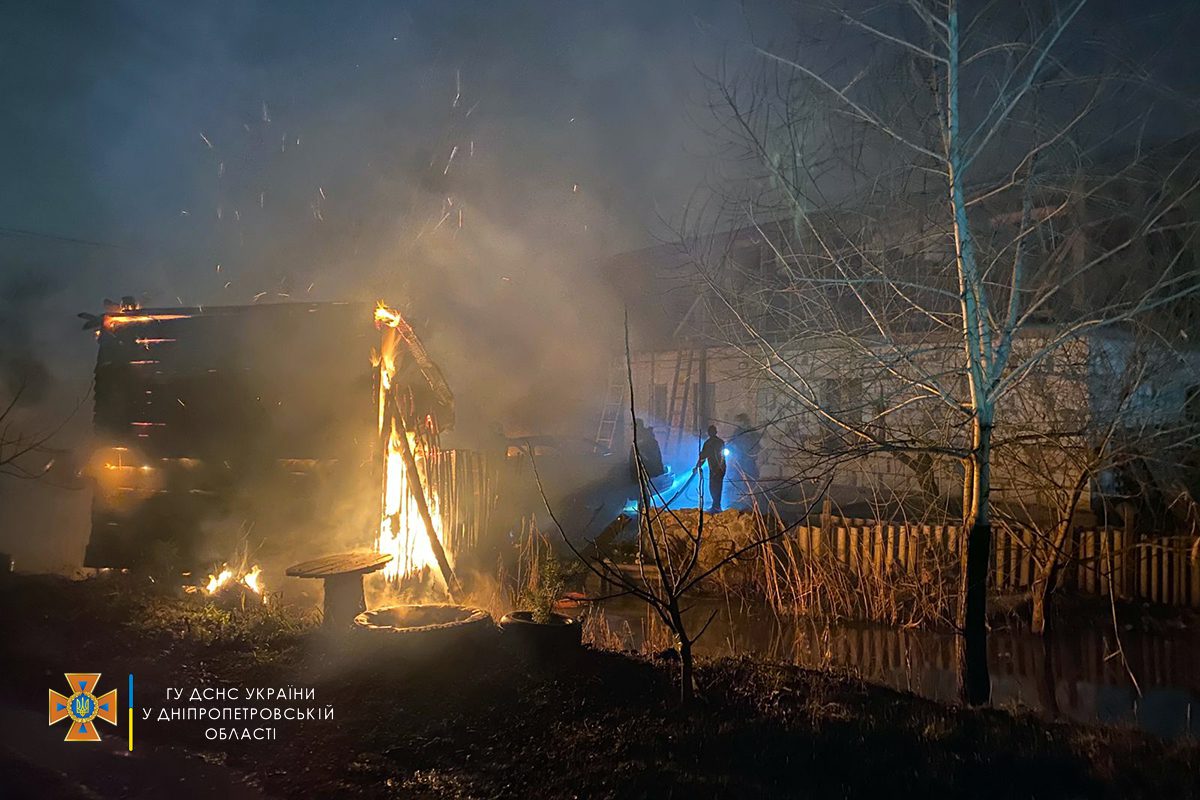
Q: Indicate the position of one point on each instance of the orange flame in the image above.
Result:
(401, 530)
(252, 580)
(215, 582)
(113, 321)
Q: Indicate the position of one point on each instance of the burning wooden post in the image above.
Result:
(417, 488)
(406, 492)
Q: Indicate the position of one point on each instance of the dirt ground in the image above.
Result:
(489, 722)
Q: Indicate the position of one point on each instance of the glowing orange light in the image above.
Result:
(252, 580)
(402, 531)
(215, 582)
(114, 321)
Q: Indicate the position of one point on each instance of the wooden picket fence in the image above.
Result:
(1163, 569)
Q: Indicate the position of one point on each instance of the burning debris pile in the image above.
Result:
(227, 583)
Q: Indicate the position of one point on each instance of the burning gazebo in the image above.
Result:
(301, 427)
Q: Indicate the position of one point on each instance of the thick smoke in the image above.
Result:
(468, 162)
(23, 369)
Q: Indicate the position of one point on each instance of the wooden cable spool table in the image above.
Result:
(343, 576)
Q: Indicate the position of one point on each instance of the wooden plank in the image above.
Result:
(1103, 561)
(1195, 563)
(877, 544)
(1082, 562)
(998, 565)
(914, 548)
(1143, 560)
(1178, 556)
(889, 547)
(1118, 562)
(1155, 574)
(1164, 572)
(338, 564)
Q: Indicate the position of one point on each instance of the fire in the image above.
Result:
(401, 529)
(393, 319)
(215, 582)
(390, 318)
(387, 316)
(226, 578)
(251, 579)
(113, 321)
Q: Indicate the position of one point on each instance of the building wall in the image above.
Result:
(1071, 393)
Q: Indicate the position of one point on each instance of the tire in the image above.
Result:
(560, 635)
(420, 631)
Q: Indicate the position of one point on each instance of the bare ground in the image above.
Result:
(493, 723)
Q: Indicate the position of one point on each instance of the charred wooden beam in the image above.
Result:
(417, 487)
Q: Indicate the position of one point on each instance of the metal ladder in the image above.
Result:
(677, 424)
(615, 401)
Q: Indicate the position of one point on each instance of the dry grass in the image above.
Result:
(652, 637)
(802, 584)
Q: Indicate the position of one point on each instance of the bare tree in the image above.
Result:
(940, 221)
(24, 454)
(1076, 458)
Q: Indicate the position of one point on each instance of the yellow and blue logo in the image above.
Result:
(83, 707)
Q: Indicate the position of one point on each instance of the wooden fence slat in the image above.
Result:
(998, 558)
(1155, 558)
(889, 547)
(1119, 563)
(876, 548)
(1080, 562)
(1103, 561)
(1099, 561)
(914, 544)
(1164, 568)
(1179, 597)
(1195, 581)
(1143, 561)
(1022, 561)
